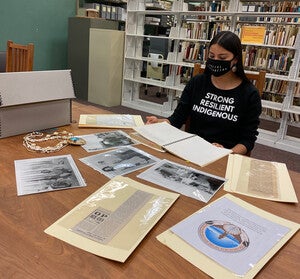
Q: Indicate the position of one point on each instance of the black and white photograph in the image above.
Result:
(47, 174)
(106, 140)
(120, 161)
(184, 180)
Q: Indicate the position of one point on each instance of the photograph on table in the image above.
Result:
(120, 161)
(106, 140)
(47, 174)
(184, 180)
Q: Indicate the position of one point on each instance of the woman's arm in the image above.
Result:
(153, 119)
(239, 149)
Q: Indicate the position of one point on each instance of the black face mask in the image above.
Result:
(218, 67)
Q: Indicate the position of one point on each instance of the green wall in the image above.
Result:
(42, 22)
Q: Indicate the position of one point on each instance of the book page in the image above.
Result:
(197, 151)
(162, 133)
(140, 139)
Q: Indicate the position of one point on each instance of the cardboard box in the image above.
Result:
(33, 101)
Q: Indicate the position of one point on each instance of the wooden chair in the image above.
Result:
(19, 58)
(258, 80)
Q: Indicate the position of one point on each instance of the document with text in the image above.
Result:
(229, 238)
(113, 220)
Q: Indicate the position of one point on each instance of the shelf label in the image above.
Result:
(253, 34)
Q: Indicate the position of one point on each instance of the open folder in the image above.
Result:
(229, 238)
(182, 144)
(113, 220)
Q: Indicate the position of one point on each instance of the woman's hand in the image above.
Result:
(217, 144)
(153, 119)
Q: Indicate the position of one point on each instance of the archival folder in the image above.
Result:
(182, 144)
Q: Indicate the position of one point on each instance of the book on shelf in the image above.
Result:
(187, 146)
(113, 227)
(259, 178)
(110, 120)
(229, 238)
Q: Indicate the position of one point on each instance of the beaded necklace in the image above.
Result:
(30, 141)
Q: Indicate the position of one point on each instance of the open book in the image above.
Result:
(182, 144)
(110, 120)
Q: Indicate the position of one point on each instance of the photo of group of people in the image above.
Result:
(47, 174)
(182, 179)
(120, 161)
(106, 140)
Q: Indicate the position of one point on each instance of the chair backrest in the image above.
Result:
(259, 80)
(197, 69)
(19, 58)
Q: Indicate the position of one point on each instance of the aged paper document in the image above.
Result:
(113, 220)
(229, 238)
(110, 120)
(259, 178)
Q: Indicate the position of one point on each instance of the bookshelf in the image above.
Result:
(275, 48)
(105, 9)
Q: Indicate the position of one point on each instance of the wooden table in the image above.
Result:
(27, 252)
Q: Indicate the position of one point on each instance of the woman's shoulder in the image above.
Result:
(199, 79)
(249, 88)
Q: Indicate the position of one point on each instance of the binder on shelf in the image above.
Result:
(32, 101)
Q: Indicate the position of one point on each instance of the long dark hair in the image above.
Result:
(231, 42)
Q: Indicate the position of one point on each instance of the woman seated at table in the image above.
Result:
(222, 105)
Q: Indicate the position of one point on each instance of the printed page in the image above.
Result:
(259, 178)
(229, 238)
(113, 220)
(162, 133)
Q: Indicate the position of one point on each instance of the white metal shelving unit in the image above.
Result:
(133, 64)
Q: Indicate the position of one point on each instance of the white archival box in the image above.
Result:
(35, 100)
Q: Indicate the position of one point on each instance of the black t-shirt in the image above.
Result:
(227, 117)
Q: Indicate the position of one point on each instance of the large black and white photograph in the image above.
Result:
(106, 140)
(47, 174)
(184, 180)
(120, 161)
